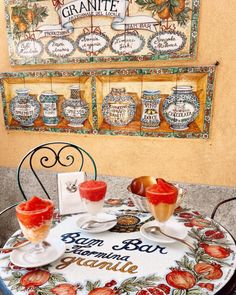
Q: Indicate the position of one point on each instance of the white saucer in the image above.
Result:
(98, 228)
(51, 253)
(173, 228)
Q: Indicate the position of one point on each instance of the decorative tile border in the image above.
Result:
(94, 77)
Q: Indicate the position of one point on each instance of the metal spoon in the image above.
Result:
(15, 247)
(90, 224)
(156, 230)
(45, 244)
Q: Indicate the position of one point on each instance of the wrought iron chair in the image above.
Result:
(50, 155)
(219, 204)
(230, 287)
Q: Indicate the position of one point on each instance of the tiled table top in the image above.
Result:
(108, 258)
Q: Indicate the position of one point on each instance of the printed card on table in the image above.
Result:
(68, 193)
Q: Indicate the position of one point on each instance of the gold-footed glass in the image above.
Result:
(162, 198)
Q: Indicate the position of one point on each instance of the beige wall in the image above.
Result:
(210, 161)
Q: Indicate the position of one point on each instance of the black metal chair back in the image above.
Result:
(219, 204)
(230, 287)
(54, 154)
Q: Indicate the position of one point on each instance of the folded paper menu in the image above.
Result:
(68, 193)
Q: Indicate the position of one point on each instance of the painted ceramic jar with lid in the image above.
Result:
(75, 109)
(24, 107)
(150, 109)
(49, 100)
(181, 108)
(118, 107)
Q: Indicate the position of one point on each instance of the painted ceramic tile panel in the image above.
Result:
(156, 102)
(65, 31)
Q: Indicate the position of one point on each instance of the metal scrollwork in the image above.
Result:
(55, 157)
(70, 158)
(44, 159)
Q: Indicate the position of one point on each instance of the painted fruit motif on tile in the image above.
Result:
(65, 31)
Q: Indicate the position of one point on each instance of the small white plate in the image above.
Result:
(51, 253)
(100, 227)
(173, 228)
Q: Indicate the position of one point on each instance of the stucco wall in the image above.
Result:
(210, 161)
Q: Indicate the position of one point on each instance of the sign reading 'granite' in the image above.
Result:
(64, 31)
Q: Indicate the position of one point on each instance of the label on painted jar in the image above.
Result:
(23, 109)
(74, 112)
(180, 112)
(49, 109)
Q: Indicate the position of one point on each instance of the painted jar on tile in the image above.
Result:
(24, 107)
(118, 107)
(75, 109)
(181, 108)
(49, 100)
(150, 109)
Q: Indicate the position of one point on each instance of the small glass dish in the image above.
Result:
(141, 202)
